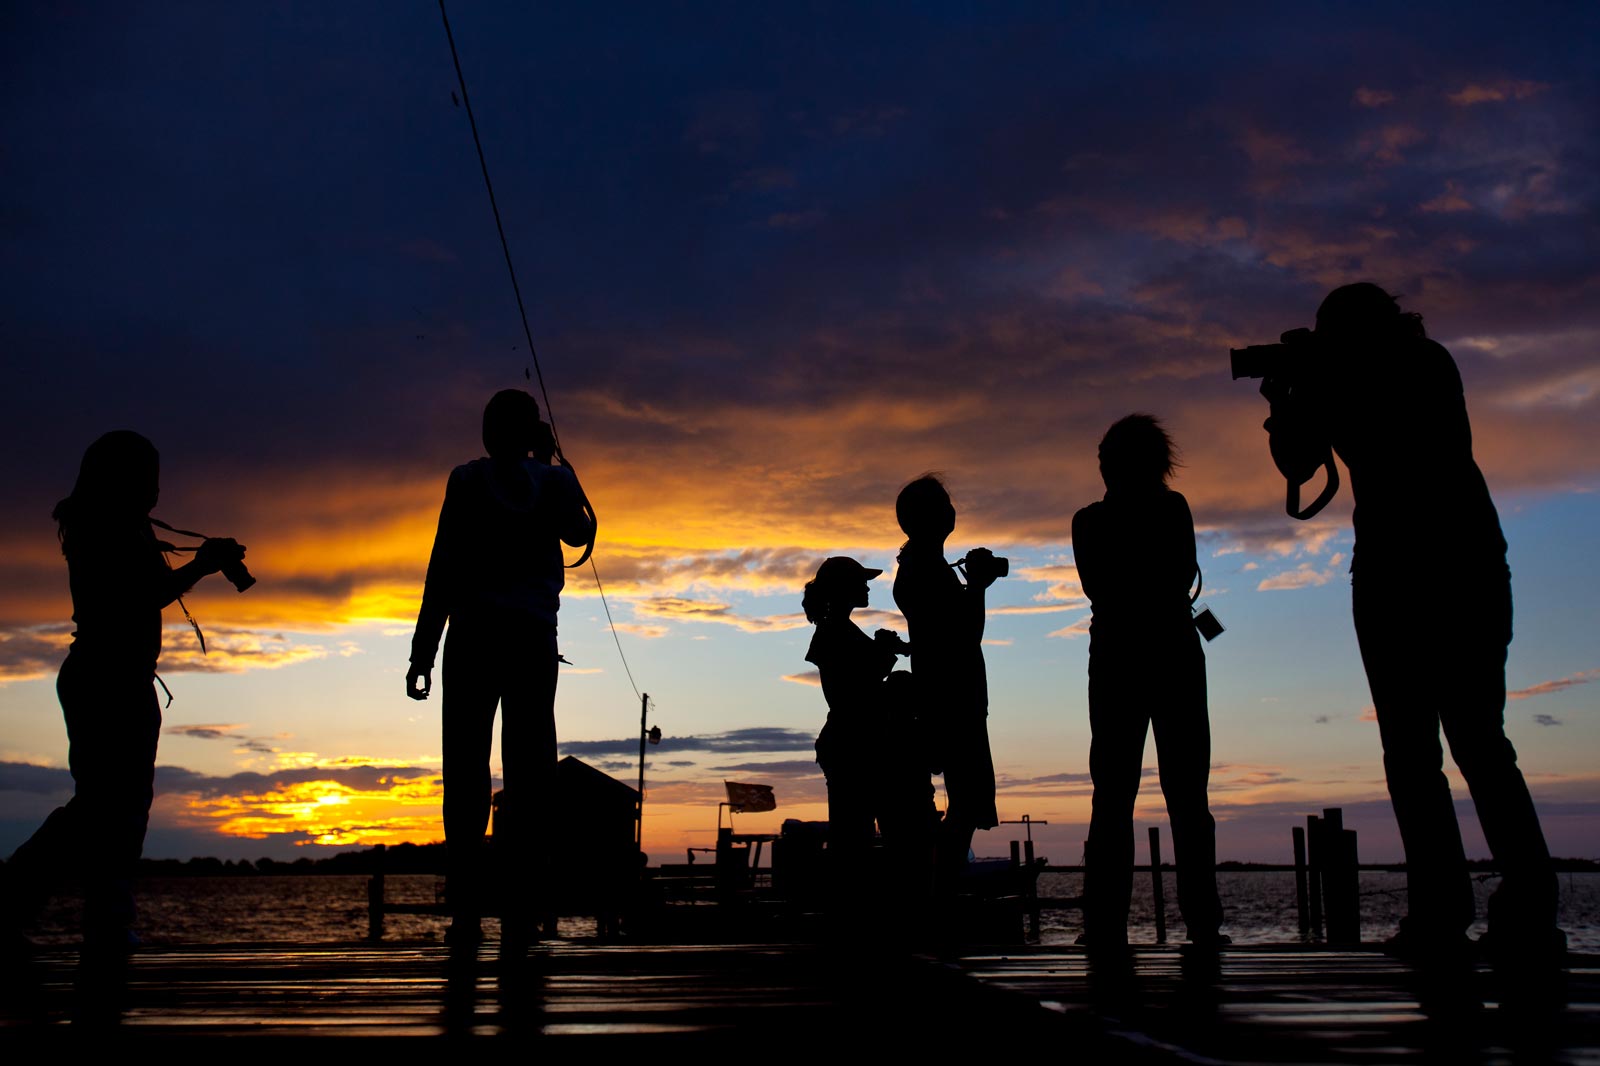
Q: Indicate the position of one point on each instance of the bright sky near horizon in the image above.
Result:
(779, 262)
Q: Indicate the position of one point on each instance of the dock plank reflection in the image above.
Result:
(1246, 1005)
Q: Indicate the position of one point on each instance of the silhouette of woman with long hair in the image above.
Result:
(1432, 601)
(1135, 554)
(944, 623)
(120, 581)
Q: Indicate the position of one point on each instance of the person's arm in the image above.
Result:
(1295, 432)
(1084, 553)
(437, 593)
(212, 556)
(1182, 559)
(575, 521)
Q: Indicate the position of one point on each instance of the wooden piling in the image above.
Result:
(1302, 905)
(1157, 890)
(1341, 889)
(1314, 870)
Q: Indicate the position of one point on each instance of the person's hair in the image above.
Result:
(508, 421)
(1138, 450)
(1366, 310)
(117, 479)
(816, 602)
(922, 503)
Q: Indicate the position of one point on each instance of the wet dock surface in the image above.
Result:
(1246, 1005)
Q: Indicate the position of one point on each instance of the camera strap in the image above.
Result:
(167, 546)
(1292, 502)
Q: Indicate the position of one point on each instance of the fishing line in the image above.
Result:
(527, 332)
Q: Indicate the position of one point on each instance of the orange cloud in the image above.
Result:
(1496, 92)
(1560, 684)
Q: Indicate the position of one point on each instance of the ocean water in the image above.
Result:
(1260, 908)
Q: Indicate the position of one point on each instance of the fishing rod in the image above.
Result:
(533, 352)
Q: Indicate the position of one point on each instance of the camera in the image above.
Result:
(238, 576)
(1282, 360)
(981, 563)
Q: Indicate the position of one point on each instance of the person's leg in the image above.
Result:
(969, 798)
(1183, 752)
(1117, 726)
(1472, 706)
(113, 734)
(529, 804)
(469, 681)
(1402, 672)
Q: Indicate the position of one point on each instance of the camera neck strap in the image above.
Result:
(169, 547)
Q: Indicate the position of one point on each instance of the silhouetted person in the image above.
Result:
(496, 575)
(1432, 601)
(853, 747)
(944, 621)
(1135, 555)
(851, 667)
(120, 581)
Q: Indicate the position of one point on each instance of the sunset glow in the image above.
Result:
(777, 265)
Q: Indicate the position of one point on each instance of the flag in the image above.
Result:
(750, 799)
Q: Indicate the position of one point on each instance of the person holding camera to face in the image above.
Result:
(854, 748)
(1432, 603)
(496, 575)
(944, 624)
(1135, 554)
(120, 581)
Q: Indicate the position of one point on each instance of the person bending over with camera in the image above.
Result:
(1432, 604)
(120, 581)
(496, 575)
(1135, 554)
(944, 622)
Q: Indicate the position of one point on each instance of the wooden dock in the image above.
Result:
(1246, 1005)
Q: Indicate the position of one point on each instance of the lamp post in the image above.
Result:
(647, 735)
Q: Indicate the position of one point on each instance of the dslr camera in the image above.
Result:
(984, 566)
(1285, 361)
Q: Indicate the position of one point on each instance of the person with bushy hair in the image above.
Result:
(1135, 554)
(1431, 595)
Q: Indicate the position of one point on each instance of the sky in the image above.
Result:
(779, 260)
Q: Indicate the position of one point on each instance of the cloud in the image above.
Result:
(1080, 628)
(40, 780)
(30, 652)
(1583, 677)
(786, 768)
(1366, 97)
(1545, 719)
(754, 739)
(683, 609)
(806, 677)
(260, 745)
(643, 632)
(1496, 92)
(1303, 576)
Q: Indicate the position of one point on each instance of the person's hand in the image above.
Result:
(981, 568)
(425, 675)
(891, 640)
(218, 552)
(1275, 390)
